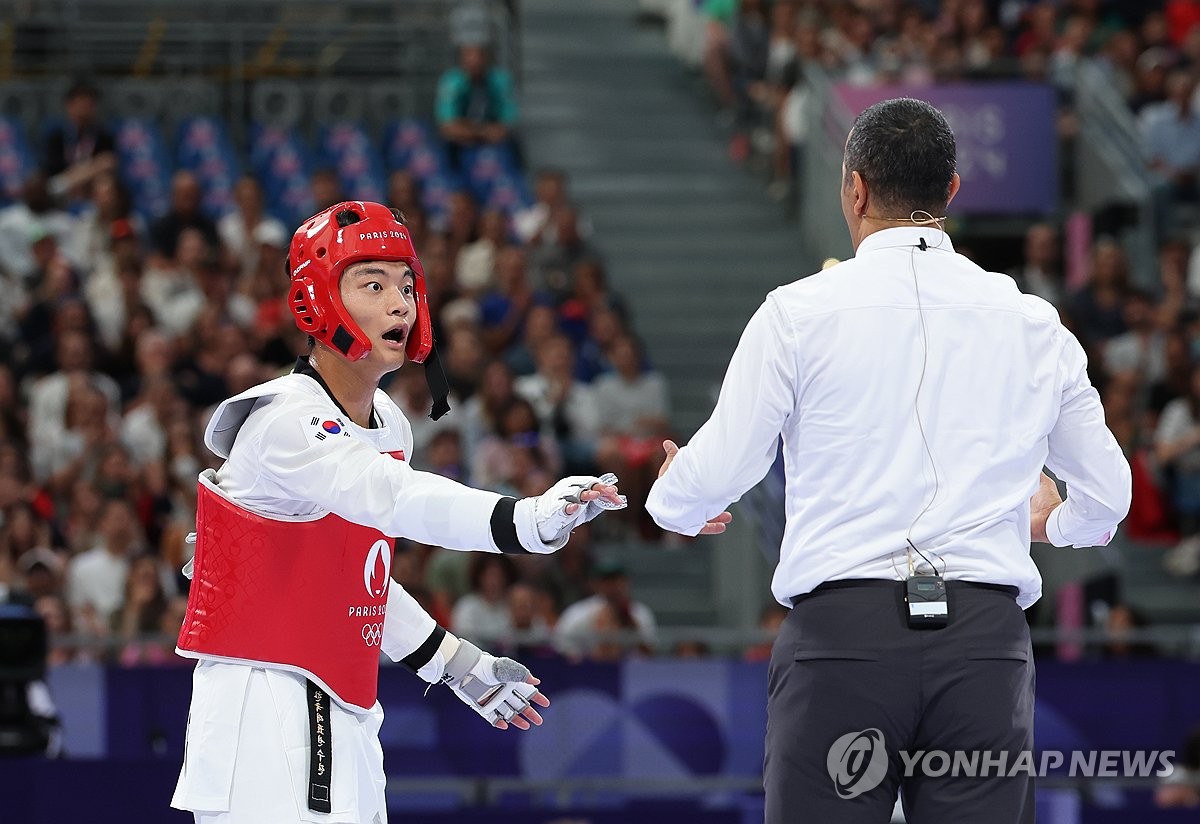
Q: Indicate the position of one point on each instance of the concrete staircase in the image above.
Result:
(691, 240)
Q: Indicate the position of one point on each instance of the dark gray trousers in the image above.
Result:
(846, 661)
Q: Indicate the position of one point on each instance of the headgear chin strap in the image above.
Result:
(322, 248)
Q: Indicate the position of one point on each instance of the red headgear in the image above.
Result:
(323, 247)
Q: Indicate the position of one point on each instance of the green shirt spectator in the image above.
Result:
(723, 11)
(475, 100)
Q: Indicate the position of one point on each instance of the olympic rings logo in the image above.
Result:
(373, 634)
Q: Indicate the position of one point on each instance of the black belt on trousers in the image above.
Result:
(320, 750)
(879, 583)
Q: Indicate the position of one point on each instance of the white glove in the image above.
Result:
(543, 524)
(553, 522)
(494, 687)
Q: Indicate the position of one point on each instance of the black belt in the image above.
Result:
(878, 583)
(320, 750)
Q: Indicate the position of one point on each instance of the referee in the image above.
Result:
(918, 398)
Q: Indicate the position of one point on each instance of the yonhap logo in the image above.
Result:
(857, 762)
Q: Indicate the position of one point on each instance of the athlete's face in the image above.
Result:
(380, 297)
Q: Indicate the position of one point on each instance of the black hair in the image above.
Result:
(348, 217)
(905, 152)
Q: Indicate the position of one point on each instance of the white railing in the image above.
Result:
(1112, 166)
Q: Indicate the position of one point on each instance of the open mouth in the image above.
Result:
(396, 335)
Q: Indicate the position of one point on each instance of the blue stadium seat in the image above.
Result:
(346, 148)
(402, 138)
(265, 141)
(202, 145)
(436, 191)
(510, 193)
(413, 145)
(484, 166)
(16, 161)
(283, 164)
(145, 167)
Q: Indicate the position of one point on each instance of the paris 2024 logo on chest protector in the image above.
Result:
(377, 574)
(377, 571)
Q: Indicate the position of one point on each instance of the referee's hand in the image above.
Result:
(715, 526)
(1041, 505)
(672, 449)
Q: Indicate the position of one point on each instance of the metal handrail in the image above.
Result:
(231, 44)
(1109, 126)
(820, 221)
(1113, 165)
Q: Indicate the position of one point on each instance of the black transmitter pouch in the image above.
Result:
(925, 597)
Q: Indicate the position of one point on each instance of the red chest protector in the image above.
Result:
(308, 596)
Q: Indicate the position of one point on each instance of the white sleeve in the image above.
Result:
(406, 624)
(411, 637)
(736, 446)
(1085, 455)
(350, 478)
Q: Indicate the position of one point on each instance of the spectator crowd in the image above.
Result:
(122, 329)
(756, 53)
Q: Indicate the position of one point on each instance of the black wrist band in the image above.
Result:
(423, 654)
(504, 527)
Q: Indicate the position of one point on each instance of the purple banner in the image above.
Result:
(640, 719)
(1007, 148)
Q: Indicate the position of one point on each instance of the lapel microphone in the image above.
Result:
(922, 246)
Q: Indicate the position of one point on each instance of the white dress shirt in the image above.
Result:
(839, 364)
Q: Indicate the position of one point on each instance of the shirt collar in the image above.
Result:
(304, 367)
(903, 236)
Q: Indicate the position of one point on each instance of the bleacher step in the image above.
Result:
(691, 241)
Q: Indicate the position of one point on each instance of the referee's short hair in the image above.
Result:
(904, 151)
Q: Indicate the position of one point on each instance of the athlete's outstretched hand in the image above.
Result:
(501, 690)
(574, 501)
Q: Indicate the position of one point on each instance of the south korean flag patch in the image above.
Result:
(323, 430)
